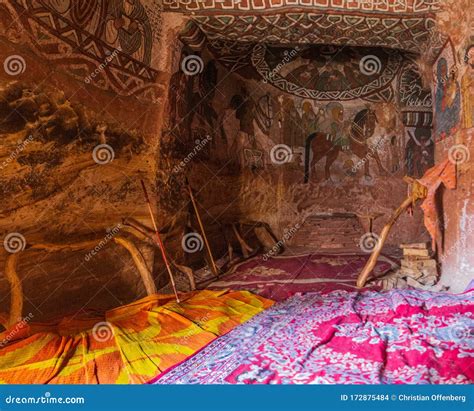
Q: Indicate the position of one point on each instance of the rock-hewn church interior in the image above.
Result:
(236, 192)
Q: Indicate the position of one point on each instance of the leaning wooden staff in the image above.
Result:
(203, 232)
(417, 191)
(159, 242)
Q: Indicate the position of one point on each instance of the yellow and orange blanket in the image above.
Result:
(130, 344)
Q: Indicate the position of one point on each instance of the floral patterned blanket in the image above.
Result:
(400, 336)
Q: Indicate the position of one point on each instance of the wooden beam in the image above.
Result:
(140, 263)
(16, 290)
(364, 275)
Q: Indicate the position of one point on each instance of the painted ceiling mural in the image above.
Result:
(375, 6)
(402, 24)
(328, 72)
(300, 27)
(83, 35)
(319, 106)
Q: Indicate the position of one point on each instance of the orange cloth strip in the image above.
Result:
(443, 173)
(131, 344)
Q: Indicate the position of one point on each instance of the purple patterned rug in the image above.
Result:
(400, 336)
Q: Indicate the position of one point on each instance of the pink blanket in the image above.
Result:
(400, 336)
(281, 277)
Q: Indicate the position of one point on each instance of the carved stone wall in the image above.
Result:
(453, 96)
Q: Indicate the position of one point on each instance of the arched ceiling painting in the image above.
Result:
(260, 34)
(403, 24)
(328, 73)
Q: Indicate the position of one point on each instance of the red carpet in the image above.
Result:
(281, 277)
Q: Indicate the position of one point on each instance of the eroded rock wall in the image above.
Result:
(81, 107)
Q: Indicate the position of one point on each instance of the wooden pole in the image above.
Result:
(201, 226)
(140, 263)
(16, 290)
(364, 275)
(417, 191)
(159, 242)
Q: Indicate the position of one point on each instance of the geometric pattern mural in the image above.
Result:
(375, 6)
(78, 37)
(408, 33)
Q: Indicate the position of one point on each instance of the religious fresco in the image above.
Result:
(328, 139)
(447, 94)
(249, 147)
(111, 38)
(419, 155)
(121, 24)
(410, 33)
(413, 94)
(349, 133)
(191, 115)
(416, 104)
(380, 6)
(329, 73)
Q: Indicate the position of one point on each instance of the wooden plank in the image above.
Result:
(416, 252)
(417, 246)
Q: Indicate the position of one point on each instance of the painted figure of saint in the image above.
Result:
(448, 100)
(467, 86)
(128, 28)
(419, 155)
(333, 125)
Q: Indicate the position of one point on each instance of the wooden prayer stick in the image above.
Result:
(201, 226)
(418, 191)
(159, 242)
(364, 275)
